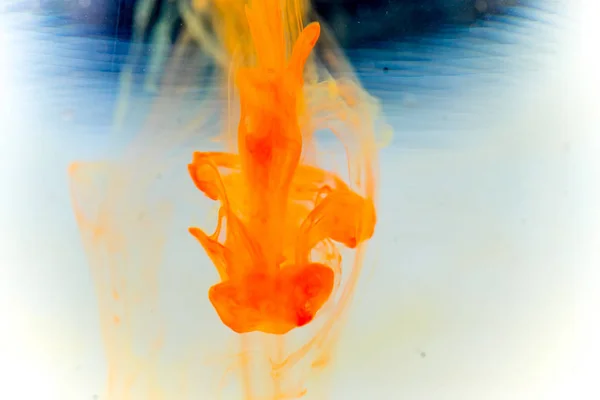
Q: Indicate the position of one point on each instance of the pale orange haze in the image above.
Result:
(291, 225)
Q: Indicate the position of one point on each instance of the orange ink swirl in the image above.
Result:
(274, 209)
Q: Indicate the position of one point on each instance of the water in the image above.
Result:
(481, 280)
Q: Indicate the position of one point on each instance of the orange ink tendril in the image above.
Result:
(274, 209)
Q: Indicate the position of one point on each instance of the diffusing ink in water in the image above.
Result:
(291, 225)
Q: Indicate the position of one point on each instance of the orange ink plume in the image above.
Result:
(289, 211)
(274, 209)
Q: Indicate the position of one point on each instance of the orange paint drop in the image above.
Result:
(268, 281)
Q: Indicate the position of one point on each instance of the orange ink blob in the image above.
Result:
(269, 282)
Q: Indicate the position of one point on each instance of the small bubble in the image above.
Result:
(85, 3)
